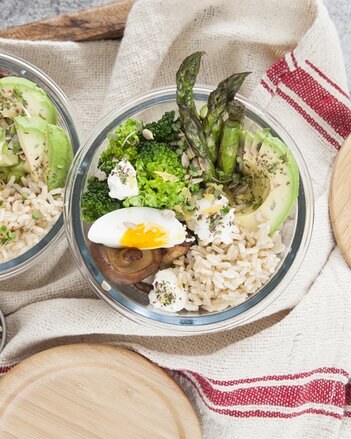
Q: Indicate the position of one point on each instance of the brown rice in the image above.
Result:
(218, 276)
(29, 211)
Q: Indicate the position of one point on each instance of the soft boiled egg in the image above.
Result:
(139, 227)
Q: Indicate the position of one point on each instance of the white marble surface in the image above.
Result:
(14, 12)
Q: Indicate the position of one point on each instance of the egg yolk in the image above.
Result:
(145, 236)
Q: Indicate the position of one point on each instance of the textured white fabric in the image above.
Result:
(307, 330)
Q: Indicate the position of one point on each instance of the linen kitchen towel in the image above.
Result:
(285, 375)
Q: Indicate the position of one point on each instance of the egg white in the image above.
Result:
(110, 228)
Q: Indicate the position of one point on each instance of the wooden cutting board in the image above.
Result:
(93, 391)
(340, 200)
(100, 22)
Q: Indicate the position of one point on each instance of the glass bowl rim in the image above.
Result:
(185, 323)
(55, 234)
(4, 332)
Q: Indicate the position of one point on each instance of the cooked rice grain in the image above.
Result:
(218, 276)
(19, 203)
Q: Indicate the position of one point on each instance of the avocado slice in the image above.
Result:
(57, 157)
(18, 171)
(272, 180)
(31, 132)
(33, 98)
(7, 157)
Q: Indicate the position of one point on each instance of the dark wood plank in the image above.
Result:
(101, 22)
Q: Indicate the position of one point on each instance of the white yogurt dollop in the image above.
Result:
(168, 293)
(122, 181)
(213, 219)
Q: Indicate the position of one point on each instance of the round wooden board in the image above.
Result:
(93, 391)
(340, 200)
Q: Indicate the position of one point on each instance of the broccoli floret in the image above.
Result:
(166, 129)
(123, 142)
(160, 177)
(154, 156)
(160, 174)
(96, 201)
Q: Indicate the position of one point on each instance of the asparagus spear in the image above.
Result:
(193, 129)
(230, 139)
(185, 79)
(217, 103)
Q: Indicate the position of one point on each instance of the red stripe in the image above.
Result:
(348, 394)
(266, 86)
(327, 370)
(308, 118)
(318, 391)
(277, 71)
(322, 75)
(259, 413)
(294, 59)
(5, 369)
(334, 112)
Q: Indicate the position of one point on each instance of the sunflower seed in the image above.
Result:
(196, 180)
(190, 153)
(202, 163)
(185, 160)
(147, 134)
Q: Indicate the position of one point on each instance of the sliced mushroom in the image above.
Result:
(126, 265)
(173, 253)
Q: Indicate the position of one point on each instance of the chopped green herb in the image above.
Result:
(271, 169)
(225, 210)
(256, 201)
(6, 235)
(37, 215)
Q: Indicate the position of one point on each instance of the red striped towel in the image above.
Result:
(287, 374)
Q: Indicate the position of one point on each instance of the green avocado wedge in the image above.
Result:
(7, 157)
(58, 155)
(273, 185)
(18, 171)
(34, 99)
(31, 133)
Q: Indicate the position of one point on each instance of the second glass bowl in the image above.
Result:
(133, 303)
(11, 65)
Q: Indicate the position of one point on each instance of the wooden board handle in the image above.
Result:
(101, 22)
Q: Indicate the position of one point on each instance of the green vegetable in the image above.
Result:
(230, 139)
(203, 111)
(191, 123)
(123, 144)
(7, 157)
(18, 171)
(216, 108)
(166, 129)
(37, 215)
(6, 235)
(160, 177)
(96, 201)
(185, 79)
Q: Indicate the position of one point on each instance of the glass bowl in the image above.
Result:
(127, 299)
(3, 332)
(11, 65)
